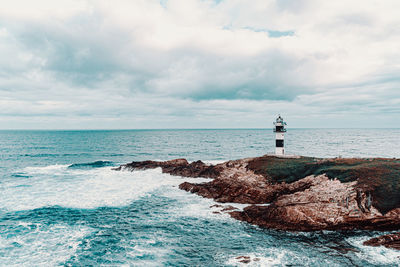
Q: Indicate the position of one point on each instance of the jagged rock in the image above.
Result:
(243, 259)
(303, 192)
(236, 183)
(389, 241)
(246, 259)
(178, 167)
(320, 207)
(216, 206)
(228, 208)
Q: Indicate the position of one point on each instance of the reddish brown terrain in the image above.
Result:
(389, 241)
(303, 193)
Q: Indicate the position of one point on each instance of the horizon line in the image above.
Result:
(163, 129)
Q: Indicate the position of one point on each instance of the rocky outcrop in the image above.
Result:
(299, 193)
(179, 167)
(377, 177)
(234, 184)
(326, 205)
(389, 241)
(237, 183)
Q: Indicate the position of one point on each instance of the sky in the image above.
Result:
(143, 64)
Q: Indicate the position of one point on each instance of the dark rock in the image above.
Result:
(303, 192)
(389, 241)
(177, 167)
(378, 176)
(244, 259)
(321, 207)
(228, 208)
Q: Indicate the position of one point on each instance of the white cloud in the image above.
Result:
(196, 63)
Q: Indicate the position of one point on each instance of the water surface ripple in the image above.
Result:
(61, 204)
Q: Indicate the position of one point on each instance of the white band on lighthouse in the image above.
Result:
(279, 130)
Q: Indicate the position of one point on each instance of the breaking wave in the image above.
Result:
(96, 164)
(35, 244)
(85, 188)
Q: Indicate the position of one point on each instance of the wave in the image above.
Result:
(56, 244)
(40, 155)
(83, 188)
(95, 164)
(114, 155)
(375, 255)
(53, 155)
(46, 170)
(214, 162)
(19, 175)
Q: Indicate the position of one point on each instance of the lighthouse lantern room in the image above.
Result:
(279, 130)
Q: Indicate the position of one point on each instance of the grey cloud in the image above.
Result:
(88, 72)
(85, 52)
(264, 76)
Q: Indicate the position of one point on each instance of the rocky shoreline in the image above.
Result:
(303, 193)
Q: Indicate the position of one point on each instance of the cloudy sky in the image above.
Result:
(199, 63)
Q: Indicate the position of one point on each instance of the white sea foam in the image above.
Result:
(375, 255)
(280, 256)
(80, 188)
(214, 162)
(192, 205)
(53, 169)
(58, 185)
(47, 246)
(257, 259)
(136, 254)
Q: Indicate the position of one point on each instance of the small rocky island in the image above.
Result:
(300, 193)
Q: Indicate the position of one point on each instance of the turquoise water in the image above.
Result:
(61, 204)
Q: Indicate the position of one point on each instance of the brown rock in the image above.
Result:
(389, 241)
(229, 208)
(178, 167)
(236, 183)
(321, 207)
(244, 259)
(303, 193)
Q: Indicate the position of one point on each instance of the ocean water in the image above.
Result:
(61, 204)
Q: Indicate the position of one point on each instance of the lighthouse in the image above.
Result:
(279, 130)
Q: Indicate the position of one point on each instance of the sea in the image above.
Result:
(61, 204)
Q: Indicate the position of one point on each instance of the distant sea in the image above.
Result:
(61, 204)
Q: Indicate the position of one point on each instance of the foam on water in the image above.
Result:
(214, 162)
(197, 207)
(77, 211)
(282, 256)
(257, 259)
(58, 185)
(375, 255)
(51, 169)
(38, 245)
(145, 252)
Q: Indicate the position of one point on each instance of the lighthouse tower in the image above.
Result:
(279, 130)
